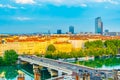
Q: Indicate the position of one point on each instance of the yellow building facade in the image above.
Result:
(34, 46)
(63, 46)
(39, 44)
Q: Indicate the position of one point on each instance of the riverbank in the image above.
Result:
(87, 58)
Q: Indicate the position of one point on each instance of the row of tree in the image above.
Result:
(111, 47)
(93, 48)
(9, 58)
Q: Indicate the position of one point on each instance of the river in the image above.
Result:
(11, 72)
(107, 63)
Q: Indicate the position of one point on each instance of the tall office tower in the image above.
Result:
(71, 29)
(98, 26)
(59, 31)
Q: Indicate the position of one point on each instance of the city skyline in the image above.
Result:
(29, 16)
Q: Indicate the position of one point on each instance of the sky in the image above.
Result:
(30, 16)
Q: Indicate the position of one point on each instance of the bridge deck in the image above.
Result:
(55, 64)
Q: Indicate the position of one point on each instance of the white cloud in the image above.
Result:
(22, 7)
(99, 1)
(25, 1)
(113, 2)
(106, 1)
(82, 3)
(1, 5)
(22, 18)
(7, 6)
(12, 7)
(63, 2)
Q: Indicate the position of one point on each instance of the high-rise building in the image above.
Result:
(106, 31)
(98, 26)
(59, 31)
(71, 29)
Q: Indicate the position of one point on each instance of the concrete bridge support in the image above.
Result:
(52, 72)
(86, 76)
(59, 73)
(37, 75)
(77, 77)
(55, 73)
(21, 77)
(115, 75)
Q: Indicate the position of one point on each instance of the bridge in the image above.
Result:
(63, 67)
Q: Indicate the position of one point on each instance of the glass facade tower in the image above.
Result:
(71, 29)
(98, 26)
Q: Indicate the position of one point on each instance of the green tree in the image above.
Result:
(51, 48)
(10, 70)
(94, 44)
(10, 57)
(48, 54)
(1, 61)
(114, 45)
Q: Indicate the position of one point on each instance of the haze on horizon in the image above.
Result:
(26, 16)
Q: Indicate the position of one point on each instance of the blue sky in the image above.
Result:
(29, 16)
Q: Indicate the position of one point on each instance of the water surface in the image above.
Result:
(11, 72)
(102, 63)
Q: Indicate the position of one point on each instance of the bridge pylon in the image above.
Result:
(77, 76)
(59, 73)
(86, 76)
(115, 74)
(52, 72)
(37, 75)
(21, 77)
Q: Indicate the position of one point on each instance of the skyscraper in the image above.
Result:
(71, 29)
(59, 31)
(98, 26)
